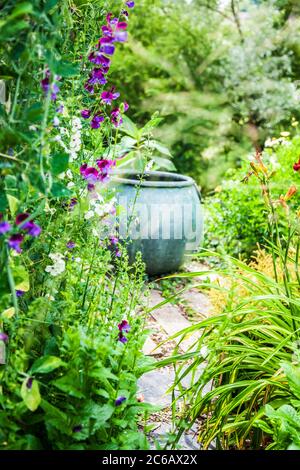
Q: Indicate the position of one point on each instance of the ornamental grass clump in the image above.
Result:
(248, 342)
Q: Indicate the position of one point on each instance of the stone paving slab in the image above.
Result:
(150, 348)
(198, 301)
(154, 385)
(171, 320)
(195, 266)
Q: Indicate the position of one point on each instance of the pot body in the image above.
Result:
(160, 216)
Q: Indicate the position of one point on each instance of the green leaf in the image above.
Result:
(70, 384)
(13, 203)
(129, 127)
(24, 8)
(154, 122)
(31, 396)
(164, 163)
(161, 148)
(59, 163)
(46, 364)
(293, 375)
(59, 190)
(21, 278)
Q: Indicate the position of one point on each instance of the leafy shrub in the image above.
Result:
(236, 218)
(285, 420)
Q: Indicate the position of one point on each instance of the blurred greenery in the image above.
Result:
(222, 74)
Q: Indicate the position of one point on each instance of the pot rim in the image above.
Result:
(179, 181)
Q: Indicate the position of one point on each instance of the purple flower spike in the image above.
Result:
(85, 113)
(19, 293)
(96, 121)
(4, 227)
(130, 4)
(71, 245)
(3, 337)
(15, 241)
(120, 400)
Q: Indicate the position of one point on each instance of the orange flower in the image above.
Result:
(292, 190)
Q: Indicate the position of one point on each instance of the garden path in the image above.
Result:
(163, 323)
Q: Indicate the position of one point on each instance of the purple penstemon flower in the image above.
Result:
(47, 86)
(122, 338)
(124, 326)
(85, 113)
(29, 383)
(4, 227)
(98, 58)
(30, 227)
(90, 187)
(97, 77)
(96, 121)
(109, 96)
(116, 117)
(89, 88)
(3, 337)
(60, 109)
(130, 4)
(70, 245)
(89, 173)
(121, 36)
(105, 165)
(14, 242)
(120, 400)
(107, 49)
(20, 293)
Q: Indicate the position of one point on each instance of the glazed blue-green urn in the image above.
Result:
(160, 216)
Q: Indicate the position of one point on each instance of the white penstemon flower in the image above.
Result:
(75, 140)
(58, 265)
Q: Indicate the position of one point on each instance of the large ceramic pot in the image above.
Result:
(160, 216)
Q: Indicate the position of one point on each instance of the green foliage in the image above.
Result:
(219, 94)
(236, 218)
(138, 146)
(242, 352)
(285, 421)
(66, 290)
